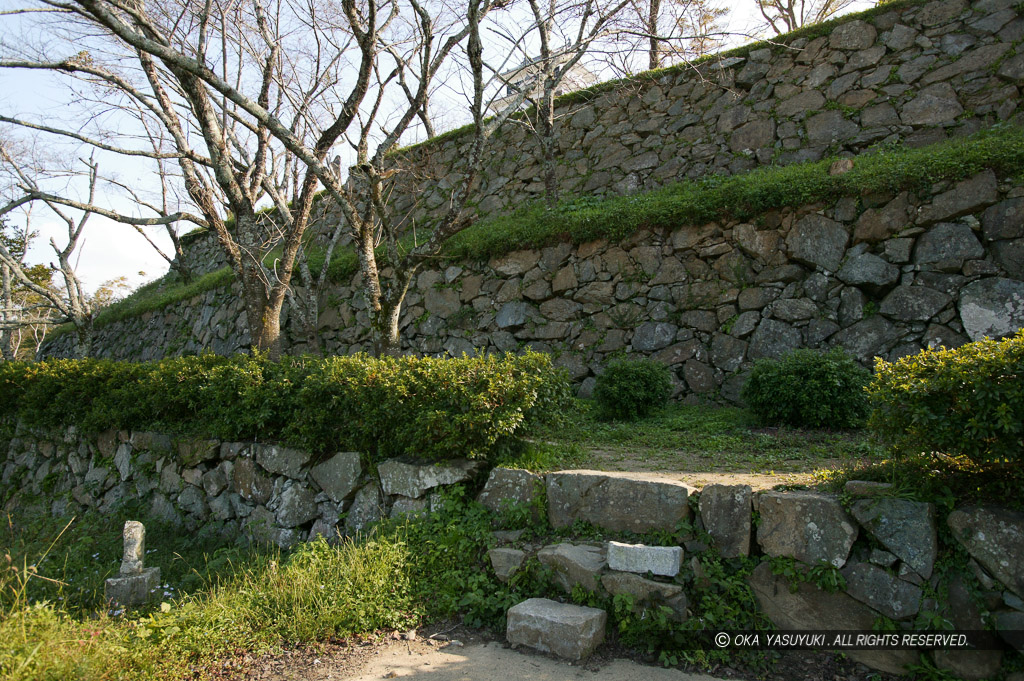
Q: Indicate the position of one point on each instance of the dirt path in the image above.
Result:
(626, 461)
(469, 658)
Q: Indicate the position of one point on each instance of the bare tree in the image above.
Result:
(783, 16)
(565, 32)
(23, 314)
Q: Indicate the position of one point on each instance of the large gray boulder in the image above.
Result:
(818, 241)
(249, 481)
(995, 538)
(507, 488)
(906, 528)
(298, 506)
(809, 608)
(574, 564)
(415, 479)
(616, 501)
(807, 526)
(963, 612)
(876, 587)
(725, 512)
(569, 631)
(869, 271)
(992, 307)
(913, 303)
(946, 246)
(338, 477)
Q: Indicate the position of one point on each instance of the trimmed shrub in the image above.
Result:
(476, 407)
(968, 401)
(808, 389)
(631, 388)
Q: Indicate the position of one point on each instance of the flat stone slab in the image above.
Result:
(413, 480)
(569, 631)
(807, 526)
(129, 590)
(641, 559)
(616, 502)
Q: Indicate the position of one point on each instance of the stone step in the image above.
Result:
(569, 631)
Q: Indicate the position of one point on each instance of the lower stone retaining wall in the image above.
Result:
(886, 549)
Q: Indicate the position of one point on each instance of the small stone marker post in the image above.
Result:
(136, 582)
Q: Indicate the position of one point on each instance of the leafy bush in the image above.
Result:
(427, 408)
(968, 401)
(808, 389)
(631, 389)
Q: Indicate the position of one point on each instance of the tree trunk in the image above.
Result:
(654, 53)
(83, 337)
(7, 302)
(547, 143)
(386, 338)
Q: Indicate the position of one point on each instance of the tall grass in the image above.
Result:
(317, 592)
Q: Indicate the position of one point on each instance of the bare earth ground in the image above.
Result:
(688, 468)
(455, 653)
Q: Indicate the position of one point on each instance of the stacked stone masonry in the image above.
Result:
(880, 275)
(886, 548)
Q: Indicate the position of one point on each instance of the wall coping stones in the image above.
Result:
(414, 479)
(808, 526)
(620, 502)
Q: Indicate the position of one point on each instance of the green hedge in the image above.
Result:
(477, 407)
(968, 401)
(808, 389)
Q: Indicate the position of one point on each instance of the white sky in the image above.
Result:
(112, 250)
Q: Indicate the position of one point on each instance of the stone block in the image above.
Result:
(506, 488)
(647, 592)
(876, 587)
(639, 558)
(725, 512)
(338, 476)
(995, 538)
(569, 631)
(616, 501)
(505, 562)
(906, 528)
(807, 526)
(574, 564)
(415, 479)
(367, 508)
(809, 608)
(280, 460)
(132, 589)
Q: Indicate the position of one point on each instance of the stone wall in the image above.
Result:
(883, 275)
(914, 74)
(886, 548)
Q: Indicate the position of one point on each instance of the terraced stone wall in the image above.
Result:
(880, 275)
